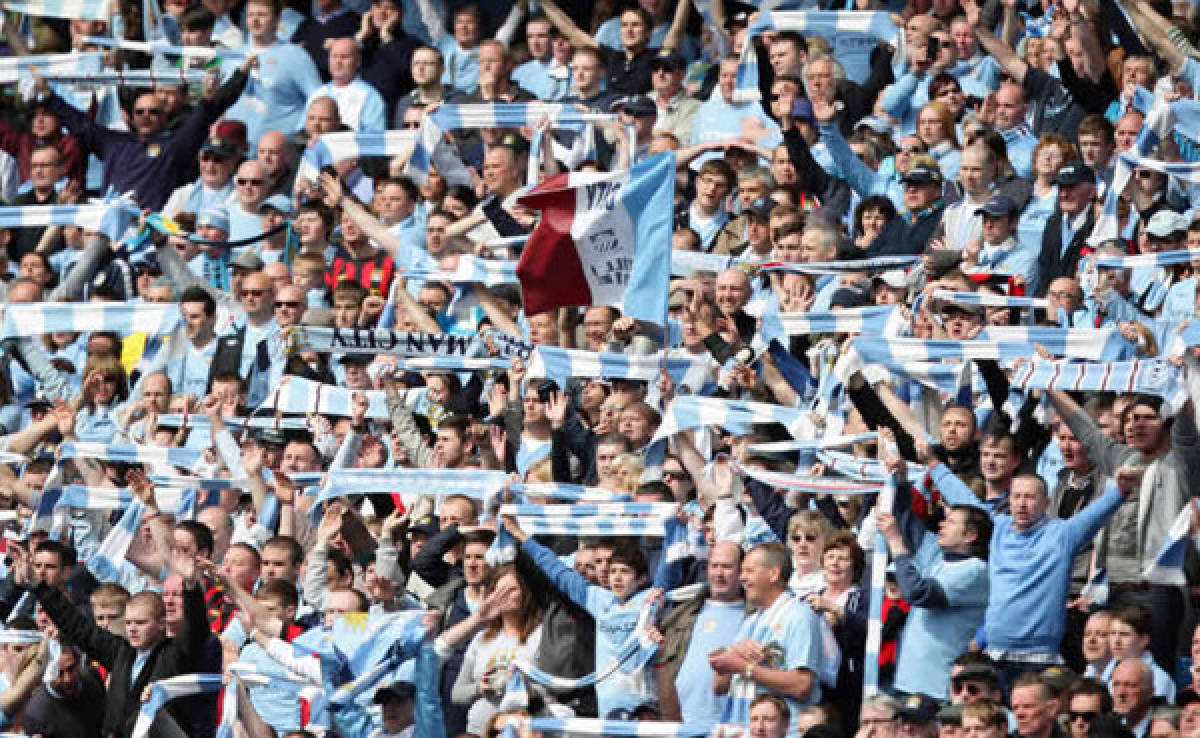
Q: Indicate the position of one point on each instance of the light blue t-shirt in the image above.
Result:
(277, 93)
(714, 627)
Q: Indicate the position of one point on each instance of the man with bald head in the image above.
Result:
(733, 291)
(278, 159)
(290, 303)
(249, 190)
(1132, 688)
(694, 629)
(360, 105)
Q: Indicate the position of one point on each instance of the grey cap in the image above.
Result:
(248, 260)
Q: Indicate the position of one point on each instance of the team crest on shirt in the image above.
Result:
(153, 150)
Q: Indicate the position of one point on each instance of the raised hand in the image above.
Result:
(141, 487)
(556, 409)
(358, 409)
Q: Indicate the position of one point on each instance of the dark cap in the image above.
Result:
(637, 105)
(669, 59)
(918, 708)
(1187, 697)
(222, 147)
(922, 174)
(426, 526)
(847, 297)
(1058, 678)
(395, 690)
(738, 16)
(950, 715)
(980, 672)
(1073, 173)
(997, 206)
(761, 208)
(233, 131)
(360, 359)
(271, 436)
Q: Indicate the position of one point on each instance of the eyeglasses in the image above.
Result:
(912, 149)
(209, 156)
(971, 689)
(810, 537)
(1086, 716)
(147, 111)
(253, 293)
(291, 304)
(242, 181)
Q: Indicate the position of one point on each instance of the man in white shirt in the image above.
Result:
(360, 106)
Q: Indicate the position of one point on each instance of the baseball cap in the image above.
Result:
(427, 526)
(950, 715)
(668, 59)
(980, 672)
(272, 436)
(918, 708)
(848, 297)
(234, 132)
(1167, 223)
(222, 147)
(761, 207)
(214, 217)
(248, 260)
(638, 105)
(922, 174)
(279, 202)
(895, 278)
(1073, 173)
(997, 206)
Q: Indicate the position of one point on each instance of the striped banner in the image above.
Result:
(691, 411)
(987, 299)
(562, 364)
(73, 9)
(474, 483)
(305, 396)
(123, 318)
(187, 458)
(15, 68)
(165, 690)
(879, 562)
(878, 320)
(330, 148)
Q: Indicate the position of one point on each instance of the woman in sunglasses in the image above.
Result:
(807, 533)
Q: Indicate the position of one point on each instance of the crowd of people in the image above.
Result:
(912, 454)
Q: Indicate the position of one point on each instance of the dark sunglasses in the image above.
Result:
(810, 537)
(1086, 716)
(288, 304)
(147, 111)
(243, 181)
(253, 293)
(970, 688)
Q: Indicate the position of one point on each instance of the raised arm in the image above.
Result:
(567, 580)
(1012, 64)
(674, 37)
(566, 26)
(1155, 29)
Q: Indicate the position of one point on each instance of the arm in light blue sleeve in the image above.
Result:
(373, 116)
(569, 582)
(53, 383)
(897, 99)
(953, 489)
(863, 180)
(348, 451)
(427, 713)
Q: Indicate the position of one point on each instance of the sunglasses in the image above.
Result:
(294, 305)
(810, 537)
(147, 111)
(912, 149)
(253, 293)
(969, 688)
(1086, 716)
(243, 182)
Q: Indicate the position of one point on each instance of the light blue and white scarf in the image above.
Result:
(207, 53)
(305, 396)
(381, 341)
(122, 318)
(15, 68)
(561, 364)
(187, 458)
(691, 411)
(776, 447)
(879, 562)
(876, 320)
(1162, 258)
(877, 264)
(1150, 376)
(598, 727)
(131, 77)
(474, 483)
(105, 563)
(330, 148)
(168, 689)
(989, 300)
(73, 9)
(471, 270)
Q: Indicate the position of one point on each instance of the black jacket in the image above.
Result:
(900, 236)
(183, 654)
(74, 717)
(1053, 262)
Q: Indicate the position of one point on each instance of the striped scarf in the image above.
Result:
(73, 9)
(330, 148)
(187, 458)
(561, 364)
(490, 115)
(474, 483)
(829, 24)
(598, 727)
(879, 562)
(14, 68)
(989, 300)
(1152, 377)
(878, 320)
(168, 689)
(380, 341)
(105, 563)
(122, 318)
(812, 444)
(877, 264)
(470, 270)
(688, 412)
(207, 53)
(305, 396)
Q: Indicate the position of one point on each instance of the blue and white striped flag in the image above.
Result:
(122, 318)
(330, 148)
(1095, 344)
(562, 364)
(168, 689)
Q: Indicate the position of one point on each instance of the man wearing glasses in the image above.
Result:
(245, 213)
(218, 159)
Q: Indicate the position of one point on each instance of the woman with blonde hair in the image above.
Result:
(506, 627)
(807, 532)
(105, 386)
(936, 127)
(1051, 152)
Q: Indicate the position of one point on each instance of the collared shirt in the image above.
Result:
(677, 115)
